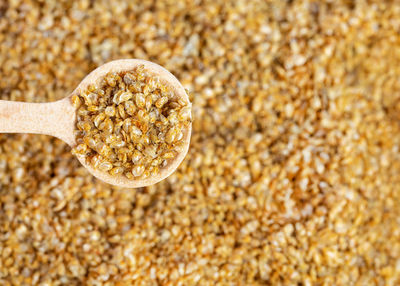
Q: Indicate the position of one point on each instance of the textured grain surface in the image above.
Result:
(292, 177)
(178, 94)
(131, 124)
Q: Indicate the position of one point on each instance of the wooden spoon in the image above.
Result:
(58, 118)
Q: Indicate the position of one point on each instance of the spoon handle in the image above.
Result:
(54, 118)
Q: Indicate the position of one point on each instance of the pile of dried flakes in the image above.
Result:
(293, 175)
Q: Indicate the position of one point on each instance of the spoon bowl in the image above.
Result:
(59, 118)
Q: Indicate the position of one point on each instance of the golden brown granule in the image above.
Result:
(130, 124)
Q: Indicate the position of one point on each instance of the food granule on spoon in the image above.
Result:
(131, 123)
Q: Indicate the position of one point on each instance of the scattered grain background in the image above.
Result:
(292, 177)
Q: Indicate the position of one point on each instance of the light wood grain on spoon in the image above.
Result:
(54, 118)
(58, 118)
